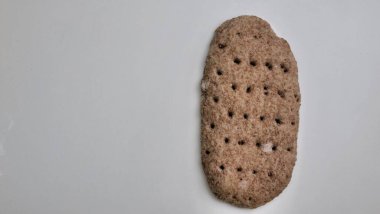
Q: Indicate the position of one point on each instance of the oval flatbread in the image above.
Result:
(250, 113)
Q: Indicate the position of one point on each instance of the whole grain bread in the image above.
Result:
(250, 113)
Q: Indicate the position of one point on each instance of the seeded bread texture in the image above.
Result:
(250, 113)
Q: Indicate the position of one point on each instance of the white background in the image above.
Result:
(99, 105)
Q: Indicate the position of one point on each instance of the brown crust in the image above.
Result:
(250, 113)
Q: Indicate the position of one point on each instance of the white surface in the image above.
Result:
(100, 105)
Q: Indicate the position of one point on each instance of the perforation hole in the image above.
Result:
(278, 121)
(249, 89)
(207, 152)
(293, 123)
(226, 140)
(258, 144)
(269, 65)
(262, 118)
(222, 46)
(245, 116)
(274, 148)
(250, 199)
(221, 167)
(219, 72)
(216, 99)
(253, 63)
(234, 86)
(270, 174)
(284, 68)
(289, 149)
(212, 125)
(297, 97)
(254, 172)
(241, 142)
(230, 114)
(266, 90)
(239, 169)
(281, 93)
(237, 61)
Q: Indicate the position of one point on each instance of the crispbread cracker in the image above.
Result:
(250, 113)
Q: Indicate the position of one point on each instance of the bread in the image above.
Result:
(250, 113)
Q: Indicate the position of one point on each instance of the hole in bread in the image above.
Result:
(284, 68)
(219, 72)
(237, 61)
(207, 152)
(239, 169)
(249, 89)
(226, 140)
(221, 45)
(258, 143)
(250, 199)
(297, 97)
(281, 93)
(234, 197)
(269, 65)
(266, 89)
(230, 114)
(241, 179)
(270, 174)
(289, 149)
(253, 63)
(254, 172)
(274, 148)
(212, 125)
(278, 120)
(262, 118)
(241, 142)
(234, 86)
(221, 167)
(293, 123)
(216, 99)
(245, 116)
(238, 33)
